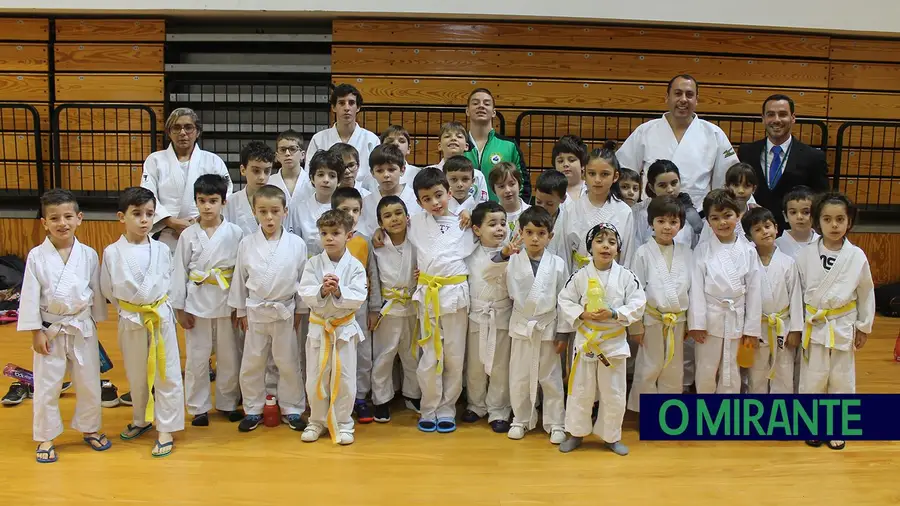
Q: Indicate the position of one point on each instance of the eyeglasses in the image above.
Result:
(352, 165)
(289, 150)
(188, 129)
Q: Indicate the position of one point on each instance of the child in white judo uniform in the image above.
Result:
(840, 303)
(291, 157)
(453, 142)
(256, 167)
(550, 193)
(59, 303)
(725, 298)
(570, 156)
(599, 302)
(135, 277)
(534, 277)
(506, 182)
(334, 288)
(203, 268)
(663, 268)
(388, 169)
(398, 136)
(264, 293)
(782, 308)
(326, 170)
(461, 175)
(395, 328)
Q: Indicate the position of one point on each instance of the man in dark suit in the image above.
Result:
(780, 160)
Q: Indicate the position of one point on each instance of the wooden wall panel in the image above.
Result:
(19, 235)
(113, 30)
(881, 250)
(24, 87)
(100, 176)
(871, 190)
(18, 176)
(16, 57)
(865, 50)
(105, 147)
(109, 119)
(393, 60)
(109, 88)
(580, 36)
(865, 76)
(109, 57)
(864, 106)
(17, 120)
(24, 29)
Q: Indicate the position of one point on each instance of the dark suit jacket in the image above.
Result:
(805, 166)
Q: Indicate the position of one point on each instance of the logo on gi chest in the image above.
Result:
(496, 158)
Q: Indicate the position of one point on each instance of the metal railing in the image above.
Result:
(22, 176)
(99, 149)
(867, 165)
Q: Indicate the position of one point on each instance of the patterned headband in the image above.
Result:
(600, 227)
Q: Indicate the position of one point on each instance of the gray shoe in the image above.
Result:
(618, 448)
(570, 444)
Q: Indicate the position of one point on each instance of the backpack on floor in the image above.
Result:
(12, 271)
(887, 300)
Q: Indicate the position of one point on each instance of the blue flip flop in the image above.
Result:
(140, 431)
(427, 425)
(90, 440)
(446, 425)
(158, 449)
(47, 452)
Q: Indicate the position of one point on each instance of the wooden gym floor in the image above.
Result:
(396, 464)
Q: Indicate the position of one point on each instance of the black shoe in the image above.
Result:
(109, 394)
(201, 420)
(500, 426)
(234, 416)
(413, 404)
(126, 399)
(382, 413)
(250, 422)
(294, 421)
(18, 392)
(212, 372)
(470, 416)
(363, 413)
(65, 386)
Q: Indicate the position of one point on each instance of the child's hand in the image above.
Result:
(792, 340)
(561, 347)
(637, 338)
(416, 275)
(860, 340)
(242, 323)
(697, 335)
(604, 314)
(40, 343)
(597, 316)
(749, 342)
(378, 238)
(465, 219)
(513, 247)
(372, 320)
(234, 322)
(185, 319)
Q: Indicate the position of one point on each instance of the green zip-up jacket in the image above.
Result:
(499, 149)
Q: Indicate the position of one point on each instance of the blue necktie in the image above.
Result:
(775, 168)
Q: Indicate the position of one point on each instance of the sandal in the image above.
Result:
(837, 444)
(815, 443)
(427, 425)
(100, 446)
(48, 459)
(133, 431)
(162, 449)
(446, 425)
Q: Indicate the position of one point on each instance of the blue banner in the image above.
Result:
(872, 417)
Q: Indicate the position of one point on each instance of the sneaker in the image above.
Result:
(516, 431)
(109, 394)
(345, 438)
(382, 413)
(294, 421)
(413, 404)
(470, 416)
(311, 433)
(618, 448)
(65, 386)
(363, 413)
(557, 436)
(18, 392)
(201, 420)
(570, 444)
(500, 426)
(125, 399)
(234, 416)
(250, 422)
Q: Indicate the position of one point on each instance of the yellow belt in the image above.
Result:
(816, 315)
(668, 320)
(156, 356)
(432, 308)
(595, 335)
(392, 295)
(775, 321)
(324, 355)
(215, 276)
(580, 260)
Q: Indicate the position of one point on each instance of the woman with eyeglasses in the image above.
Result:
(170, 175)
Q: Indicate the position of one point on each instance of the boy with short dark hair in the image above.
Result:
(453, 141)
(570, 156)
(461, 176)
(550, 193)
(798, 213)
(257, 159)
(326, 170)
(291, 158)
(350, 155)
(388, 168)
(399, 136)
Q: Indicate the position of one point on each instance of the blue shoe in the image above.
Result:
(446, 425)
(250, 422)
(100, 445)
(363, 412)
(427, 425)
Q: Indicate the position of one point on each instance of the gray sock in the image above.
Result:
(618, 448)
(570, 444)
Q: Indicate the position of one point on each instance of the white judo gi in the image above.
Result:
(581, 216)
(331, 344)
(368, 219)
(643, 232)
(63, 299)
(264, 289)
(239, 210)
(136, 279)
(303, 188)
(443, 301)
(363, 140)
(532, 330)
(488, 345)
(201, 278)
(396, 328)
(658, 367)
(602, 347)
(782, 312)
(703, 155)
(839, 303)
(173, 186)
(726, 302)
(301, 221)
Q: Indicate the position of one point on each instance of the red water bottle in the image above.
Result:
(897, 349)
(271, 416)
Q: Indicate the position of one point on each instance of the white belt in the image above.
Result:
(78, 325)
(732, 306)
(271, 311)
(487, 328)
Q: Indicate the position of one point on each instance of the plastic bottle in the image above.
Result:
(897, 349)
(746, 355)
(271, 415)
(594, 296)
(19, 374)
